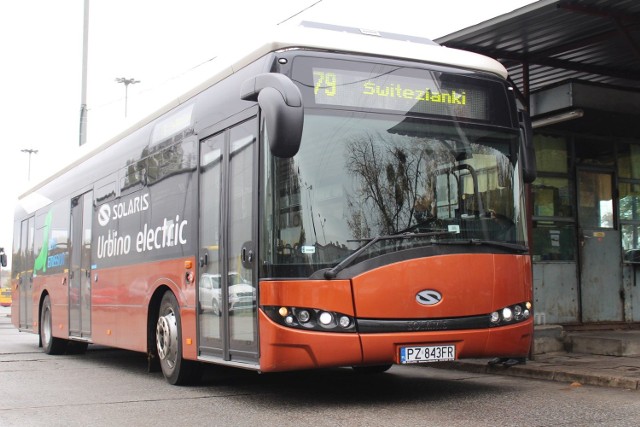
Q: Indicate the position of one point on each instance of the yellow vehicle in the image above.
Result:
(5, 297)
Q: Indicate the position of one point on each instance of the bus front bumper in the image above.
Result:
(286, 349)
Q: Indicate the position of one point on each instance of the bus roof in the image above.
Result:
(305, 35)
(377, 43)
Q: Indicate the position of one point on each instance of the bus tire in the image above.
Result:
(176, 370)
(50, 344)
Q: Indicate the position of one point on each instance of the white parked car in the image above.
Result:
(242, 295)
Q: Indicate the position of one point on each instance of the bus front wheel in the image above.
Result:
(50, 344)
(169, 343)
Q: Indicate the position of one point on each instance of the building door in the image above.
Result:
(227, 314)
(599, 248)
(80, 268)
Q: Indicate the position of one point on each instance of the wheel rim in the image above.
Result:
(46, 326)
(166, 339)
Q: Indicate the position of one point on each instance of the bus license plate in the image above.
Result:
(426, 354)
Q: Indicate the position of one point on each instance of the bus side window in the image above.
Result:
(134, 176)
(172, 160)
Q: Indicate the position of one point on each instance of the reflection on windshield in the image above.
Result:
(360, 176)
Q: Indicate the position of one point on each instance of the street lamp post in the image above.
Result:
(29, 151)
(83, 91)
(126, 82)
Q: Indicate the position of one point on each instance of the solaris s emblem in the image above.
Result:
(104, 214)
(428, 297)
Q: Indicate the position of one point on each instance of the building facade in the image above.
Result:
(576, 66)
(586, 204)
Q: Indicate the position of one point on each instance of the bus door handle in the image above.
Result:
(246, 255)
(204, 260)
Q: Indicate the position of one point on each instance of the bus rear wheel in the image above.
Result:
(50, 344)
(176, 370)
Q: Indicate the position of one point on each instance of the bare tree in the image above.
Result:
(389, 175)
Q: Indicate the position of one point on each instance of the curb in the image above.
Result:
(543, 373)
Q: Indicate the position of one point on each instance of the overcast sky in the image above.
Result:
(162, 43)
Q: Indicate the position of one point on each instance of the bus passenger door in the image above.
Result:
(80, 268)
(227, 281)
(210, 270)
(25, 280)
(241, 254)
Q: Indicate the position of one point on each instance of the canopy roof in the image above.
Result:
(552, 41)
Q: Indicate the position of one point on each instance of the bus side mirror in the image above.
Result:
(3, 260)
(281, 102)
(527, 151)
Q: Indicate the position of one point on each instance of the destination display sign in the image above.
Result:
(398, 92)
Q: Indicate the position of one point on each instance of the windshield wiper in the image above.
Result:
(333, 272)
(422, 225)
(478, 242)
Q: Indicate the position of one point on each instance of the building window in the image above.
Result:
(553, 201)
(552, 197)
(629, 161)
(595, 200)
(553, 241)
(551, 154)
(629, 203)
(629, 200)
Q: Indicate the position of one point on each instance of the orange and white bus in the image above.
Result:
(333, 198)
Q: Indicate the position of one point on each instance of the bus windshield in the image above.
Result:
(363, 176)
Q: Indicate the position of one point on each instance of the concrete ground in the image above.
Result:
(601, 358)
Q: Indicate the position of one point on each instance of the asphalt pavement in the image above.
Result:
(570, 367)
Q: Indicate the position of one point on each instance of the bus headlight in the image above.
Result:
(344, 322)
(495, 317)
(304, 316)
(517, 312)
(310, 319)
(326, 318)
(511, 314)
